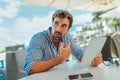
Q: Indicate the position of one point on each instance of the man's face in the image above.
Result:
(59, 29)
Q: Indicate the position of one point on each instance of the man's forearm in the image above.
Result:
(41, 66)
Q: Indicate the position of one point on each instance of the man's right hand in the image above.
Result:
(65, 50)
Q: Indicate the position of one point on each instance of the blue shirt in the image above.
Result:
(42, 48)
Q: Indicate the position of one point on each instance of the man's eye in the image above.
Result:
(64, 26)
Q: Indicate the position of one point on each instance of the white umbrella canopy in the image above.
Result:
(99, 5)
(112, 13)
(56, 3)
(88, 5)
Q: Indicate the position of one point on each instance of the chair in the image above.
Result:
(15, 64)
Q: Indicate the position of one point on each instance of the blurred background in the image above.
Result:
(20, 19)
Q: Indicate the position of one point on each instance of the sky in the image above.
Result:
(19, 21)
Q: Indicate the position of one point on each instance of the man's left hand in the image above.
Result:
(97, 60)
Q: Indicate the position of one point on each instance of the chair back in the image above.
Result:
(20, 59)
(15, 64)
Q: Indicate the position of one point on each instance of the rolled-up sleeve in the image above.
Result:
(34, 53)
(28, 67)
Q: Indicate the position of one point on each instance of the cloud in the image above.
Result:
(83, 18)
(6, 38)
(8, 9)
(32, 25)
(23, 30)
(1, 20)
(36, 24)
(11, 8)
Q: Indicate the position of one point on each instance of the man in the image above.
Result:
(51, 47)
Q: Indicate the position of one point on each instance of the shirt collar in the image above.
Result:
(48, 32)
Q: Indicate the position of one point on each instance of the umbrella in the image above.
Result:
(56, 3)
(89, 5)
(112, 13)
(99, 5)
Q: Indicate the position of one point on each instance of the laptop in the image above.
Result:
(94, 47)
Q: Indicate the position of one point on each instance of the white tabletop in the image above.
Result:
(62, 71)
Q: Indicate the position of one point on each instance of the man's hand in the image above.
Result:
(65, 50)
(97, 60)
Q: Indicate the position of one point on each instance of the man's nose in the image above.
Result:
(59, 29)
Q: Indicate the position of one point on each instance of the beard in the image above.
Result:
(57, 37)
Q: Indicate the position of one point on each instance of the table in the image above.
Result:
(62, 71)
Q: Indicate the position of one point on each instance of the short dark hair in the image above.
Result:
(63, 14)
